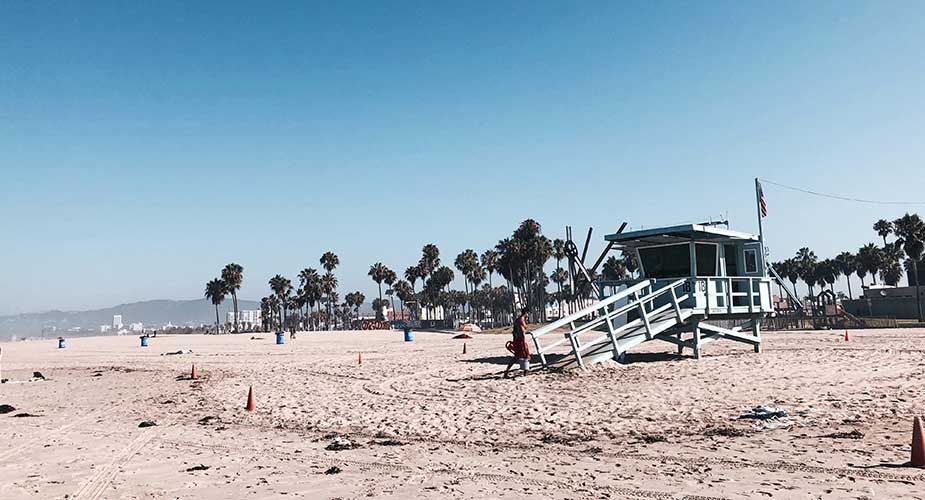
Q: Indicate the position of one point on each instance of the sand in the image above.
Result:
(432, 422)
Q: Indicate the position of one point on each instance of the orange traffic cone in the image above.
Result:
(846, 335)
(464, 348)
(918, 444)
(251, 405)
(359, 358)
(192, 373)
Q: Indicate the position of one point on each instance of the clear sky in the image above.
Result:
(142, 147)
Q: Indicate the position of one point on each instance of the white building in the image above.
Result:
(137, 327)
(116, 321)
(248, 318)
(105, 328)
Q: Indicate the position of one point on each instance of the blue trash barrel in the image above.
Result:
(60, 342)
(280, 339)
(408, 336)
(144, 340)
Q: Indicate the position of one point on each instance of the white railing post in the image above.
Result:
(677, 307)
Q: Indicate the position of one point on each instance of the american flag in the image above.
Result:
(762, 204)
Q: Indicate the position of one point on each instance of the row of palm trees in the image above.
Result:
(520, 260)
(889, 261)
(232, 276)
(314, 303)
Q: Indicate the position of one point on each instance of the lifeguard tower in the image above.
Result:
(699, 283)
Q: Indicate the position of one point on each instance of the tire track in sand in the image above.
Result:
(454, 473)
(94, 487)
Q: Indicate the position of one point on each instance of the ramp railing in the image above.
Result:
(639, 297)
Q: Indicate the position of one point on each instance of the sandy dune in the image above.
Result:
(434, 423)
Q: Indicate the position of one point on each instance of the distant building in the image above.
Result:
(105, 328)
(886, 302)
(116, 321)
(248, 318)
(137, 327)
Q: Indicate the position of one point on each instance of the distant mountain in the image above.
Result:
(152, 313)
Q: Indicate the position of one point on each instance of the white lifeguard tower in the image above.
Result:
(699, 283)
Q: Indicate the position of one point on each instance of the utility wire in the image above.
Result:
(843, 198)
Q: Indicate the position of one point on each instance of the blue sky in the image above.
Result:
(142, 147)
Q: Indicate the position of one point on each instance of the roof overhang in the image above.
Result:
(678, 234)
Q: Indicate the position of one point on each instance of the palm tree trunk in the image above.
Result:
(918, 299)
(850, 295)
(216, 319)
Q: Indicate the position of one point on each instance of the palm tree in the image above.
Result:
(389, 280)
(282, 288)
(891, 269)
(308, 279)
(430, 260)
(404, 292)
(266, 316)
(869, 258)
(216, 291)
(412, 273)
(630, 263)
(806, 263)
(884, 228)
(274, 305)
(378, 273)
(828, 273)
(910, 233)
(233, 275)
(329, 261)
(847, 266)
(792, 273)
(328, 287)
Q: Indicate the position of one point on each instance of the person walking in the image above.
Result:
(518, 346)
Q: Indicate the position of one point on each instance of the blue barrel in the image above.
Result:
(60, 342)
(144, 340)
(280, 339)
(408, 336)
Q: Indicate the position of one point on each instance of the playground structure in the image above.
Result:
(698, 283)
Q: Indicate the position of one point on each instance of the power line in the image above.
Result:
(843, 198)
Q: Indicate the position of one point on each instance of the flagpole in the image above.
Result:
(760, 227)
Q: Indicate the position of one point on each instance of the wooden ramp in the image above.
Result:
(608, 329)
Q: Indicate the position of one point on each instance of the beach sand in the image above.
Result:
(432, 422)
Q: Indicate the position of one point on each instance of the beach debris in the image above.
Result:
(177, 353)
(724, 432)
(147, 423)
(192, 374)
(4, 380)
(462, 336)
(918, 444)
(5, 408)
(464, 348)
(256, 338)
(762, 412)
(340, 444)
(855, 434)
(359, 358)
(470, 327)
(333, 470)
(388, 442)
(209, 420)
(97, 374)
(251, 403)
(198, 468)
(37, 376)
(24, 415)
(653, 438)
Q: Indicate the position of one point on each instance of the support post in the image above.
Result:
(756, 331)
(680, 347)
(696, 339)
